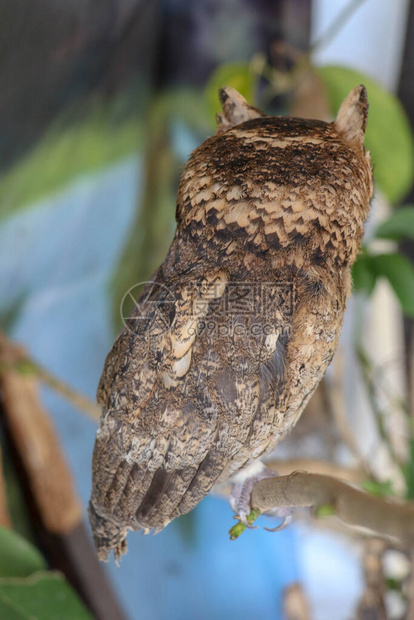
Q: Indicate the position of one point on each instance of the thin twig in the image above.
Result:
(78, 400)
(13, 356)
(380, 416)
(335, 398)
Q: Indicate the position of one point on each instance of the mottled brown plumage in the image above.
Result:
(243, 317)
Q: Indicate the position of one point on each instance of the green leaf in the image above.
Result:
(9, 612)
(363, 274)
(396, 268)
(399, 226)
(43, 596)
(378, 489)
(238, 75)
(388, 136)
(18, 558)
(325, 510)
(399, 272)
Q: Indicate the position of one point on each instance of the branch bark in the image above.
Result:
(51, 499)
(355, 507)
(12, 355)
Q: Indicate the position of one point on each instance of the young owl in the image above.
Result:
(230, 339)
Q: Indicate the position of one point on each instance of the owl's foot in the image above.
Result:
(240, 496)
(280, 513)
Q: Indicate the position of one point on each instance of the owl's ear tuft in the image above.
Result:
(351, 120)
(236, 110)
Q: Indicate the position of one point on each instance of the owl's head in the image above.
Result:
(350, 123)
(271, 182)
(319, 143)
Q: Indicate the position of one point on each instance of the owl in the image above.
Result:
(230, 338)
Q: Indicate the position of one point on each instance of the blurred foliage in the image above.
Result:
(326, 510)
(395, 268)
(16, 503)
(18, 558)
(43, 596)
(79, 142)
(399, 226)
(409, 471)
(27, 590)
(378, 488)
(388, 136)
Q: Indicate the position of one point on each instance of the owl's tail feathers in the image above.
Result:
(138, 499)
(176, 493)
(107, 535)
(164, 494)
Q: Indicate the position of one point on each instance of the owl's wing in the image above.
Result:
(183, 391)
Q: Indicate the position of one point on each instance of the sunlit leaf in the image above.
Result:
(399, 226)
(43, 596)
(18, 558)
(388, 136)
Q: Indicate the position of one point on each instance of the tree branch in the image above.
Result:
(349, 504)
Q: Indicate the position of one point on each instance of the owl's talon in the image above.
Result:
(287, 520)
(241, 494)
(242, 489)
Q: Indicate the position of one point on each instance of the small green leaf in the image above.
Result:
(379, 489)
(399, 226)
(238, 75)
(363, 274)
(18, 558)
(409, 473)
(388, 136)
(393, 584)
(399, 272)
(43, 596)
(325, 510)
